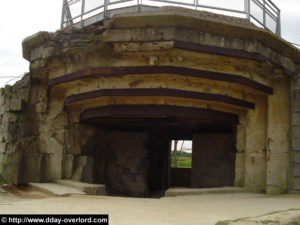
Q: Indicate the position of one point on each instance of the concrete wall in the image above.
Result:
(213, 160)
(128, 164)
(295, 132)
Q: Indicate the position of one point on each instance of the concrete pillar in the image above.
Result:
(295, 133)
(278, 156)
(256, 137)
(239, 180)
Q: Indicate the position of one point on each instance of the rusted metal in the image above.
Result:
(227, 52)
(160, 92)
(91, 73)
(180, 113)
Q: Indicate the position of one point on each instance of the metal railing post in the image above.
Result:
(247, 8)
(278, 27)
(63, 15)
(264, 14)
(82, 12)
(138, 6)
(105, 11)
(196, 4)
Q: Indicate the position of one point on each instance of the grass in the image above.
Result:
(226, 222)
(184, 160)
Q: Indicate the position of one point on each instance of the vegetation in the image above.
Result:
(184, 159)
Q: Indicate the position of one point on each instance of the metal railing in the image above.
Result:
(263, 13)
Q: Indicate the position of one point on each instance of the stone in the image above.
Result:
(83, 169)
(17, 105)
(255, 176)
(295, 144)
(296, 183)
(127, 175)
(239, 180)
(295, 118)
(67, 166)
(296, 170)
(51, 167)
(33, 41)
(278, 173)
(296, 157)
(31, 168)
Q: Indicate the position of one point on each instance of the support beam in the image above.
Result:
(93, 73)
(159, 92)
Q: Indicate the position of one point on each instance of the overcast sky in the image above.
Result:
(22, 18)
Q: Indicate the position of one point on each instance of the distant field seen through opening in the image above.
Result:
(181, 154)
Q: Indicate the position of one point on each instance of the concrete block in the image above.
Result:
(51, 168)
(295, 118)
(296, 170)
(296, 183)
(83, 169)
(67, 166)
(295, 132)
(296, 156)
(31, 167)
(16, 104)
(295, 144)
(255, 172)
(278, 173)
(239, 180)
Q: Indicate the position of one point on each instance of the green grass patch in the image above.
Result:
(184, 160)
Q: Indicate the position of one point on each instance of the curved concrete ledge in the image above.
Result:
(157, 111)
(159, 92)
(94, 72)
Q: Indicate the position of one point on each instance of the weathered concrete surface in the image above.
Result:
(278, 152)
(90, 189)
(126, 174)
(256, 136)
(188, 210)
(213, 160)
(179, 191)
(56, 189)
(42, 139)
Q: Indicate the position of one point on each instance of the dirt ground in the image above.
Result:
(180, 210)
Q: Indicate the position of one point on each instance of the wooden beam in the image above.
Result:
(159, 92)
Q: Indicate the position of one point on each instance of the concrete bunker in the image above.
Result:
(141, 135)
(101, 104)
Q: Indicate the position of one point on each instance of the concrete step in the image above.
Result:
(56, 189)
(178, 191)
(90, 189)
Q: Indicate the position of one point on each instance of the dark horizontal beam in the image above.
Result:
(124, 112)
(219, 51)
(159, 92)
(89, 73)
(227, 52)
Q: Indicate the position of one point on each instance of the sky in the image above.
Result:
(22, 18)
